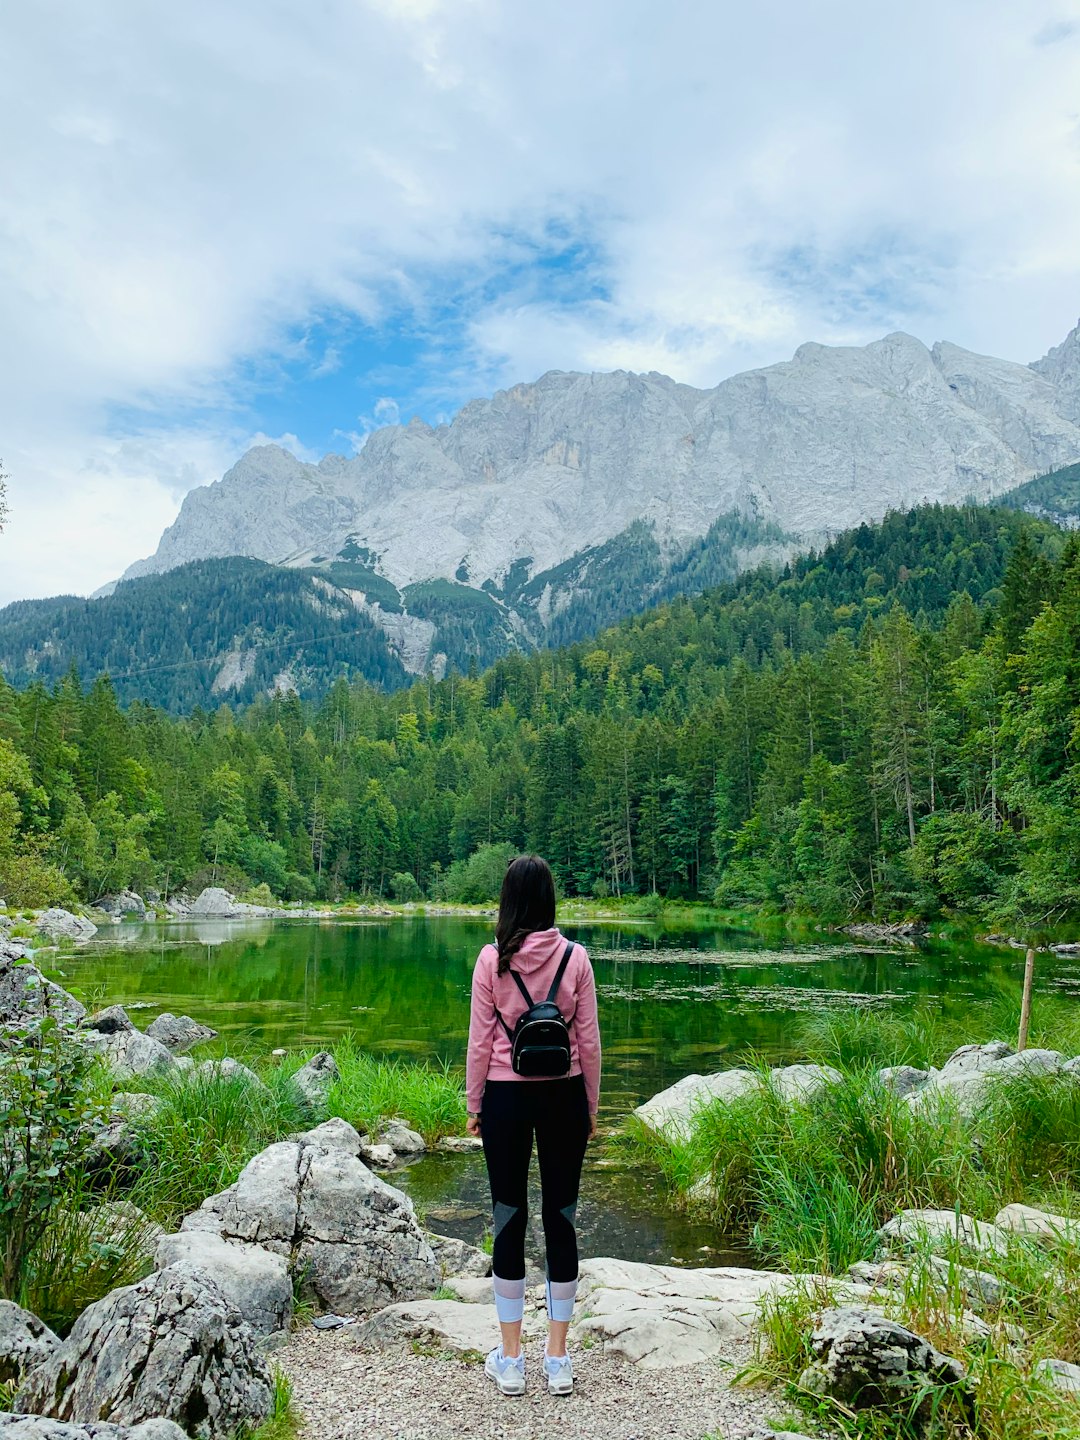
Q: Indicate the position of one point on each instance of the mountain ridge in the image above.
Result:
(539, 472)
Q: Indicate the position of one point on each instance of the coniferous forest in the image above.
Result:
(888, 727)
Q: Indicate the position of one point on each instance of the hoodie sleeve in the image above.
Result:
(587, 1027)
(482, 1024)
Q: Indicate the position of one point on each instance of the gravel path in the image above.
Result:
(346, 1393)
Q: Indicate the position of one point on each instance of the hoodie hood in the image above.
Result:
(537, 949)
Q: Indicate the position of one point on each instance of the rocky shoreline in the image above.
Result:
(197, 1346)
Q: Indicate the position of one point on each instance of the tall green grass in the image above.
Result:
(84, 1252)
(429, 1098)
(204, 1131)
(808, 1182)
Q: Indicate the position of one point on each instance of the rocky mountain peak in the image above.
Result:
(523, 480)
(1061, 366)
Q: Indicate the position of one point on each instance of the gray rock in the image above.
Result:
(1040, 1225)
(1030, 1062)
(126, 902)
(671, 1112)
(803, 1082)
(1060, 1375)
(132, 1103)
(227, 1069)
(459, 1144)
(935, 1230)
(131, 1052)
(977, 1287)
(315, 1078)
(171, 1346)
(880, 1274)
(903, 1079)
(658, 1316)
(113, 1020)
(63, 925)
(352, 1241)
(250, 1277)
(456, 1257)
(450, 1325)
(26, 995)
(215, 901)
(373, 1153)
(334, 1132)
(179, 1032)
(39, 1427)
(970, 1058)
(862, 1359)
(25, 1342)
(402, 1140)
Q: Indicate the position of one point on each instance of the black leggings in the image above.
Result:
(557, 1111)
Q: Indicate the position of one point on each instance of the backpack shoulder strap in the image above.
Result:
(561, 971)
(521, 986)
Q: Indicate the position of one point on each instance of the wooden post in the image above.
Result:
(1025, 1004)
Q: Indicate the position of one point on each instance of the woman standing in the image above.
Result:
(532, 1071)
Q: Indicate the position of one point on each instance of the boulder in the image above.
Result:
(113, 1020)
(352, 1241)
(381, 1156)
(459, 1144)
(1060, 1375)
(25, 1342)
(179, 1032)
(671, 1111)
(458, 1257)
(170, 1346)
(1030, 1062)
(978, 1288)
(250, 1277)
(935, 1230)
(315, 1078)
(39, 1427)
(227, 1069)
(134, 1053)
(974, 1058)
(659, 1316)
(803, 1082)
(862, 1359)
(880, 1274)
(903, 1079)
(59, 924)
(1038, 1224)
(403, 1141)
(336, 1133)
(445, 1324)
(118, 1143)
(26, 995)
(126, 902)
(215, 901)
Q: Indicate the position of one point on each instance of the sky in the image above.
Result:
(239, 220)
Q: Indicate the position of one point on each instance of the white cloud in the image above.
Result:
(184, 186)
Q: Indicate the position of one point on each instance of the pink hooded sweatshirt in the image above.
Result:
(536, 962)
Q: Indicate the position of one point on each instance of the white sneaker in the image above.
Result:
(509, 1375)
(560, 1374)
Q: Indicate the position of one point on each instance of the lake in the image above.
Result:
(672, 1001)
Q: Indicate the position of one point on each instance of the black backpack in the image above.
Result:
(540, 1040)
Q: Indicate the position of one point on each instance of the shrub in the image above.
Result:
(258, 895)
(403, 887)
(47, 1123)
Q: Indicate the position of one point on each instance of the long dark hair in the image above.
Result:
(527, 903)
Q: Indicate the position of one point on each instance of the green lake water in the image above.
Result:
(672, 1001)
